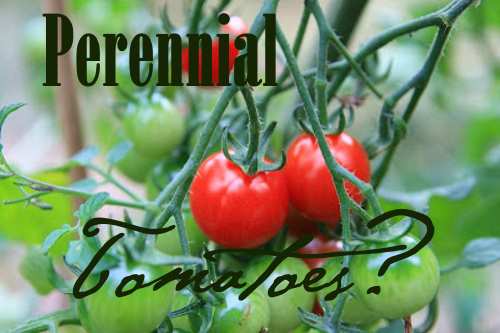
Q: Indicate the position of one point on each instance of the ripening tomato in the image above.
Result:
(310, 185)
(235, 27)
(406, 287)
(234, 209)
(142, 311)
(320, 244)
(136, 166)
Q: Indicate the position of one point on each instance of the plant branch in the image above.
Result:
(49, 322)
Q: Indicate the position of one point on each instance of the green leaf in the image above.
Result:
(118, 152)
(482, 135)
(88, 209)
(29, 224)
(420, 200)
(81, 252)
(85, 156)
(481, 253)
(54, 236)
(6, 111)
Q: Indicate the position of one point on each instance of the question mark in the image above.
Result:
(429, 233)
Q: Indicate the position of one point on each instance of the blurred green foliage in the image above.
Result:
(30, 224)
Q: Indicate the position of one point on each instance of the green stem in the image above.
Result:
(346, 15)
(334, 38)
(419, 82)
(194, 20)
(48, 322)
(147, 206)
(112, 180)
(285, 74)
(254, 132)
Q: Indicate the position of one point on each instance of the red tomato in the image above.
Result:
(317, 308)
(310, 185)
(299, 225)
(235, 27)
(319, 244)
(234, 209)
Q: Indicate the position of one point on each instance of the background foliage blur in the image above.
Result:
(451, 154)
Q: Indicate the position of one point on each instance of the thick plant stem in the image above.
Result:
(345, 17)
(68, 108)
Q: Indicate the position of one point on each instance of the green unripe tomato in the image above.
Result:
(252, 315)
(136, 166)
(406, 287)
(170, 244)
(284, 308)
(155, 127)
(36, 268)
(354, 311)
(142, 311)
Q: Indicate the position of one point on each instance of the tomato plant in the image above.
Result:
(245, 196)
(234, 209)
(310, 184)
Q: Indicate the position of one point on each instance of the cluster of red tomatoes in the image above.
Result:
(237, 210)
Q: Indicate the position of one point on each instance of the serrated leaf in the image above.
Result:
(88, 209)
(85, 156)
(480, 253)
(85, 185)
(118, 152)
(54, 236)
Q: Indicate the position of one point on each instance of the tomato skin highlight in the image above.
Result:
(310, 185)
(142, 311)
(236, 210)
(407, 286)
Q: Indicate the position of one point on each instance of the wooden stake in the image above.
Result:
(67, 99)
